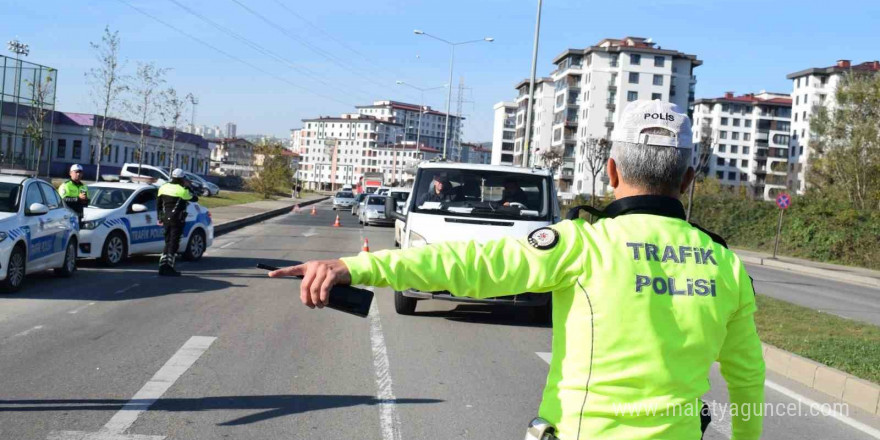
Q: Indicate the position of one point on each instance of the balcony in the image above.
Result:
(571, 122)
(612, 85)
(610, 105)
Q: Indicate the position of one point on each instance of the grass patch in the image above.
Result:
(850, 346)
(228, 198)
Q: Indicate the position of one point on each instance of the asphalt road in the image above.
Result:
(225, 352)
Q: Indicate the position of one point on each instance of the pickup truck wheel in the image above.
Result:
(404, 305)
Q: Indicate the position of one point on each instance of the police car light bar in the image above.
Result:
(17, 172)
(143, 179)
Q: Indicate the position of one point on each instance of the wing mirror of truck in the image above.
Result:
(391, 210)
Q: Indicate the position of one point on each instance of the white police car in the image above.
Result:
(37, 231)
(122, 220)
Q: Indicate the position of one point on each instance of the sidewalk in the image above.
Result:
(847, 274)
(229, 218)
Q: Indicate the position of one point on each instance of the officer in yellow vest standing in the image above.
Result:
(174, 197)
(74, 192)
(643, 302)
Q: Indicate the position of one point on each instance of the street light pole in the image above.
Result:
(422, 90)
(531, 98)
(18, 48)
(451, 64)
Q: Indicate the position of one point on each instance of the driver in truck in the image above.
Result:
(513, 194)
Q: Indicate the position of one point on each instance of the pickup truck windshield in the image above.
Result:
(479, 193)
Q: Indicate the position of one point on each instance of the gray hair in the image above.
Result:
(659, 170)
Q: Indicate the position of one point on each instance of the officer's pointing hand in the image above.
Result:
(318, 278)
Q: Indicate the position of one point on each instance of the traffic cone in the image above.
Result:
(295, 208)
(366, 247)
(314, 211)
(336, 223)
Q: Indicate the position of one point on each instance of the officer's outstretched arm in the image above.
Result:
(497, 268)
(742, 365)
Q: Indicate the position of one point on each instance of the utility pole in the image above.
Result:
(531, 99)
(18, 48)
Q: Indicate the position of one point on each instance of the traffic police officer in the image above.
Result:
(174, 197)
(74, 192)
(643, 302)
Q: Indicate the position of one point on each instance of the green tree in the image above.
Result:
(43, 90)
(846, 142)
(275, 174)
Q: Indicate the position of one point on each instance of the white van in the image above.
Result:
(474, 210)
(160, 174)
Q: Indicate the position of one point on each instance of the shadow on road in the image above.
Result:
(268, 407)
(489, 314)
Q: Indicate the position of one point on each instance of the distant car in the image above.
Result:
(357, 204)
(208, 189)
(373, 211)
(343, 199)
(160, 174)
(122, 220)
(37, 231)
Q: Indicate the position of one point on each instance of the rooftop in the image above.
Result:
(627, 44)
(841, 66)
(750, 98)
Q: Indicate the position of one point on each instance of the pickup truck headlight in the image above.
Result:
(416, 240)
(91, 224)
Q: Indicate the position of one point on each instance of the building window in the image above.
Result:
(723, 121)
(748, 123)
(656, 96)
(795, 117)
(635, 59)
(722, 135)
(736, 122)
(745, 150)
(719, 175)
(744, 163)
(61, 151)
(77, 149)
(743, 177)
(632, 96)
(734, 148)
(734, 135)
(722, 148)
(747, 136)
(719, 161)
(725, 107)
(658, 80)
(731, 162)
(731, 175)
(633, 77)
(659, 61)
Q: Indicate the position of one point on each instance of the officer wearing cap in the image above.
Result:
(74, 192)
(643, 301)
(173, 199)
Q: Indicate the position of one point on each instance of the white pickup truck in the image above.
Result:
(484, 202)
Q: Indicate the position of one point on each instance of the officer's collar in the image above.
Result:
(648, 204)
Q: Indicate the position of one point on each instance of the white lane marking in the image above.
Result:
(721, 429)
(78, 309)
(28, 331)
(388, 418)
(126, 289)
(310, 233)
(823, 409)
(185, 357)
(229, 244)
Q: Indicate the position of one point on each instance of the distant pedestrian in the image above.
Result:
(74, 192)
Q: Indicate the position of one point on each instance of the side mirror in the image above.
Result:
(391, 210)
(37, 209)
(137, 207)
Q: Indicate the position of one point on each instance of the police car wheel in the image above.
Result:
(404, 305)
(196, 246)
(69, 265)
(115, 250)
(15, 270)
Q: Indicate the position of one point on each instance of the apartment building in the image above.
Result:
(475, 153)
(750, 140)
(542, 115)
(232, 157)
(810, 88)
(425, 127)
(503, 133)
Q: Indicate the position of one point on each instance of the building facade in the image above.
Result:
(475, 153)
(750, 140)
(503, 133)
(811, 88)
(231, 130)
(542, 115)
(426, 127)
(232, 157)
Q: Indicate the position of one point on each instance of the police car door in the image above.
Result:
(146, 235)
(38, 230)
(58, 223)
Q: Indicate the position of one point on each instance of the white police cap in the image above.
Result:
(656, 123)
(177, 173)
(76, 167)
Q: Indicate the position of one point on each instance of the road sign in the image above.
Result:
(783, 200)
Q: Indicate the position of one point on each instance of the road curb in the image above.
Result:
(227, 227)
(831, 381)
(825, 273)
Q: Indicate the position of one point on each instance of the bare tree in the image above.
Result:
(43, 91)
(595, 158)
(703, 155)
(108, 83)
(144, 100)
(172, 109)
(552, 158)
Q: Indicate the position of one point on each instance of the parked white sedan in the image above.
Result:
(122, 220)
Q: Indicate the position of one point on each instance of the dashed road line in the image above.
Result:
(388, 417)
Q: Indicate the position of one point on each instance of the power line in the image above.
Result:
(305, 71)
(232, 56)
(305, 43)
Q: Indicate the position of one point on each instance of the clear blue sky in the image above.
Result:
(360, 48)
